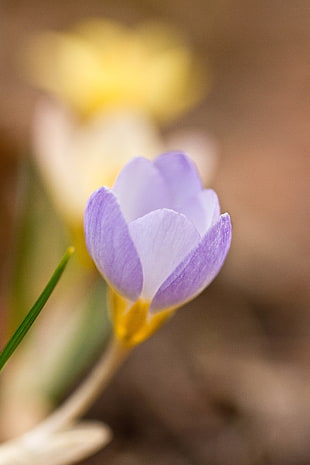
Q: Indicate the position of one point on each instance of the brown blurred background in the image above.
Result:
(228, 381)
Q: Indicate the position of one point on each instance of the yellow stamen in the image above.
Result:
(132, 321)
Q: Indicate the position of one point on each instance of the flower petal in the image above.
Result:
(180, 174)
(198, 268)
(162, 238)
(110, 245)
(140, 188)
(203, 210)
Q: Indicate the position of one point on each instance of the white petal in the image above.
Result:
(162, 238)
(60, 448)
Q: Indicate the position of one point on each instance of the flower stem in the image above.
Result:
(26, 449)
(79, 402)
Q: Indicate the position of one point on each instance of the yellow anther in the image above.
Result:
(132, 321)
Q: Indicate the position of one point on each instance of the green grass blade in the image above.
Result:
(35, 310)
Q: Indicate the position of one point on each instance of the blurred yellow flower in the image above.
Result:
(102, 66)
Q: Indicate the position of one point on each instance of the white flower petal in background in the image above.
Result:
(74, 158)
(61, 448)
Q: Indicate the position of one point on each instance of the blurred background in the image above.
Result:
(227, 382)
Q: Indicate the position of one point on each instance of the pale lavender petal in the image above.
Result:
(110, 245)
(140, 188)
(203, 210)
(162, 238)
(181, 176)
(198, 268)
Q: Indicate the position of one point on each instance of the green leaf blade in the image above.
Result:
(35, 310)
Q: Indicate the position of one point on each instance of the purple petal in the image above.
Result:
(162, 238)
(110, 245)
(180, 174)
(140, 188)
(198, 268)
(203, 210)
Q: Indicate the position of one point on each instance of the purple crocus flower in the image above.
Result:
(157, 236)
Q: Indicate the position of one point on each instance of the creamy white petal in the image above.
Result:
(162, 238)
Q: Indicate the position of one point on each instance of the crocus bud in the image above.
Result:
(158, 239)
